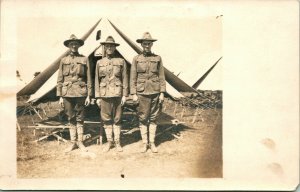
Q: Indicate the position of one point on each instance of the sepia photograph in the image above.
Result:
(141, 100)
(149, 95)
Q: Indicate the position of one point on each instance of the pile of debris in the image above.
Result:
(204, 99)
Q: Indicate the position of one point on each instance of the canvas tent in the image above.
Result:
(47, 91)
(43, 88)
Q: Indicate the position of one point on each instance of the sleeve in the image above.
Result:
(60, 80)
(125, 79)
(89, 78)
(97, 91)
(161, 75)
(133, 76)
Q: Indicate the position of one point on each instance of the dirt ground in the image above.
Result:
(188, 150)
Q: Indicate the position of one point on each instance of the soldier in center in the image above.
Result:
(147, 85)
(111, 90)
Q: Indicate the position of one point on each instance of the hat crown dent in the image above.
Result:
(147, 35)
(73, 37)
(110, 39)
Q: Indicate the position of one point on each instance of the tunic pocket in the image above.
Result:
(118, 88)
(141, 67)
(81, 69)
(140, 86)
(117, 70)
(155, 84)
(154, 66)
(83, 89)
(102, 89)
(64, 89)
(66, 69)
(102, 71)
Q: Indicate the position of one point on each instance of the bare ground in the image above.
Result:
(189, 150)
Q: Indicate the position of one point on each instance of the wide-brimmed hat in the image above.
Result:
(110, 40)
(146, 37)
(73, 38)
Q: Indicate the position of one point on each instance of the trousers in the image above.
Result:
(111, 110)
(148, 109)
(75, 109)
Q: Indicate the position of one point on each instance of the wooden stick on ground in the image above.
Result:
(37, 112)
(46, 136)
(131, 131)
(167, 129)
(182, 112)
(195, 115)
(18, 126)
(175, 108)
(59, 137)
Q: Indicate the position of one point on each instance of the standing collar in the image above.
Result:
(147, 54)
(74, 54)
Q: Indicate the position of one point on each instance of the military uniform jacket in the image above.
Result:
(74, 77)
(147, 75)
(111, 79)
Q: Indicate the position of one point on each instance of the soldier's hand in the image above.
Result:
(87, 101)
(61, 102)
(123, 100)
(98, 102)
(135, 98)
(161, 98)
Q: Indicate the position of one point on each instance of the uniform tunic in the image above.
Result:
(111, 83)
(74, 84)
(147, 80)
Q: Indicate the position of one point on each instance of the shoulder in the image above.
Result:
(102, 61)
(157, 56)
(64, 58)
(83, 57)
(80, 55)
(119, 59)
(137, 56)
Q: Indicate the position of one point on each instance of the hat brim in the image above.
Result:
(141, 40)
(105, 43)
(66, 43)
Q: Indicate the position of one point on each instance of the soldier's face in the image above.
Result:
(110, 49)
(74, 45)
(147, 45)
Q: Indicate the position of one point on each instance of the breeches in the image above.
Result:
(75, 109)
(148, 109)
(111, 110)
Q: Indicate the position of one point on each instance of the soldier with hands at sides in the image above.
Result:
(111, 89)
(74, 89)
(147, 86)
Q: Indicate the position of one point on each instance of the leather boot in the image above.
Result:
(73, 145)
(117, 132)
(152, 132)
(108, 132)
(143, 129)
(80, 137)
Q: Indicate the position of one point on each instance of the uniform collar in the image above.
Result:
(147, 54)
(74, 54)
(111, 56)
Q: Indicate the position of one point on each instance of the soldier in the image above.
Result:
(74, 89)
(147, 86)
(111, 89)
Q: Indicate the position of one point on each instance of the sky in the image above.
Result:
(188, 44)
